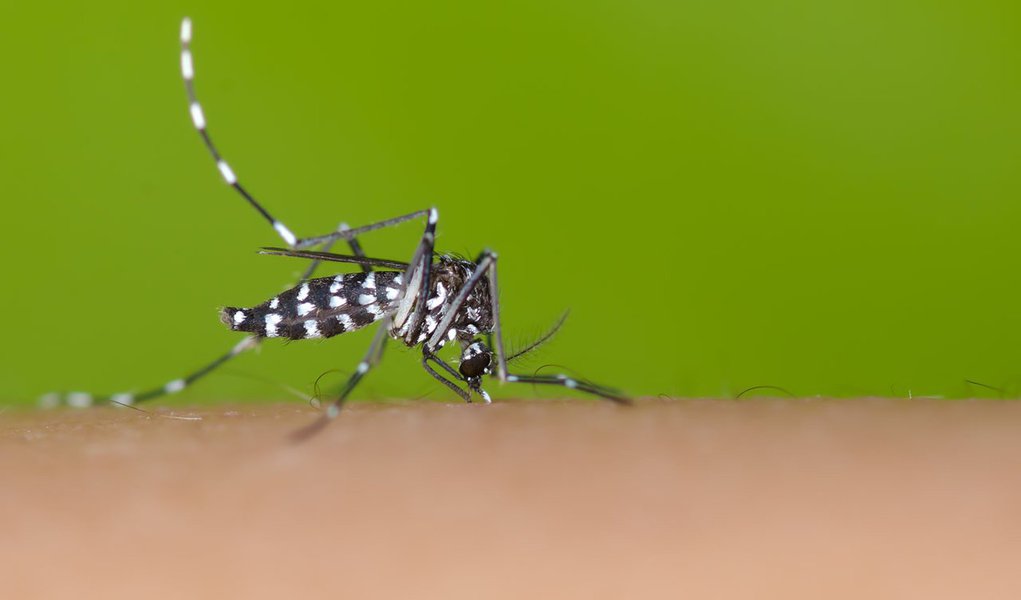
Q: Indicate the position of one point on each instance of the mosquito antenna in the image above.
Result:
(542, 339)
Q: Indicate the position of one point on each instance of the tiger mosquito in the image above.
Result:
(429, 301)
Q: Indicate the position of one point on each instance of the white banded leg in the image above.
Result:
(348, 234)
(486, 265)
(572, 383)
(198, 119)
(370, 360)
(85, 399)
(414, 283)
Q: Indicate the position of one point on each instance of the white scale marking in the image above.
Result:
(439, 298)
(401, 319)
(363, 367)
(79, 399)
(123, 399)
(370, 281)
(174, 386)
(397, 280)
(197, 118)
(50, 400)
(451, 334)
(434, 215)
(391, 293)
(227, 172)
(364, 299)
(274, 303)
(346, 321)
(186, 31)
(245, 344)
(338, 281)
(430, 323)
(285, 233)
(305, 308)
(303, 292)
(187, 69)
(336, 301)
(374, 310)
(239, 317)
(272, 320)
(312, 329)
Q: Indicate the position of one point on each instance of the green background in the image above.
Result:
(815, 195)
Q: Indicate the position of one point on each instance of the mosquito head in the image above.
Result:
(476, 361)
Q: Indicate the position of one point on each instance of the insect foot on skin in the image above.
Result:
(427, 302)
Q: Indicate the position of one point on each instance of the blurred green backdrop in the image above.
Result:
(815, 195)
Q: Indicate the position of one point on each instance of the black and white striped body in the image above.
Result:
(321, 307)
(329, 306)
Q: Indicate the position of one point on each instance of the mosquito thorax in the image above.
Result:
(449, 274)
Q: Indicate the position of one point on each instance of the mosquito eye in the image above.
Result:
(475, 363)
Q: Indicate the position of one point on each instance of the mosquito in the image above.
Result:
(427, 302)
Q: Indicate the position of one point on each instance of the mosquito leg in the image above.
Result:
(486, 266)
(572, 383)
(428, 356)
(371, 359)
(84, 399)
(352, 242)
(340, 233)
(198, 119)
(501, 354)
(444, 365)
(416, 282)
(356, 249)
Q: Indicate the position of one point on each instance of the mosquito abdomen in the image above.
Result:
(319, 308)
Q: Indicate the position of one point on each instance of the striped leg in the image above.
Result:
(85, 399)
(371, 359)
(415, 283)
(198, 119)
(486, 265)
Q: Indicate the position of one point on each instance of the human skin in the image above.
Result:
(568, 499)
